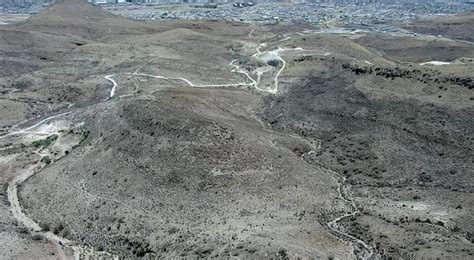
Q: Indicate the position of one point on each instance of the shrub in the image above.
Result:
(84, 137)
(45, 227)
(37, 237)
(22, 84)
(273, 63)
(282, 253)
(140, 252)
(42, 143)
(46, 160)
(65, 233)
(58, 229)
(23, 230)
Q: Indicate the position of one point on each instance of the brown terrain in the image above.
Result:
(200, 139)
(459, 26)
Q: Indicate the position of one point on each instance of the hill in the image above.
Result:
(203, 139)
(457, 26)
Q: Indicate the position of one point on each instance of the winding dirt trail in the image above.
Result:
(18, 180)
(186, 81)
(114, 87)
(26, 130)
(237, 69)
(21, 217)
(334, 223)
(340, 179)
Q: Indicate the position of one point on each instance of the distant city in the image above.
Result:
(342, 2)
(339, 2)
(325, 13)
(347, 12)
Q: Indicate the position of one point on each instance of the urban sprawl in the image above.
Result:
(323, 12)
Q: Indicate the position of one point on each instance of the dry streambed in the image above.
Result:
(50, 141)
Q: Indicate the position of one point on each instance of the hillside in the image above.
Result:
(457, 26)
(203, 139)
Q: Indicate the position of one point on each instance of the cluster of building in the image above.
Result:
(360, 12)
(99, 2)
(336, 2)
(23, 6)
(313, 11)
(243, 4)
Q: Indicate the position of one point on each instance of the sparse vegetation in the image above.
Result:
(22, 84)
(273, 63)
(354, 138)
(282, 254)
(43, 143)
(37, 237)
(58, 228)
(84, 136)
(45, 226)
(46, 160)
